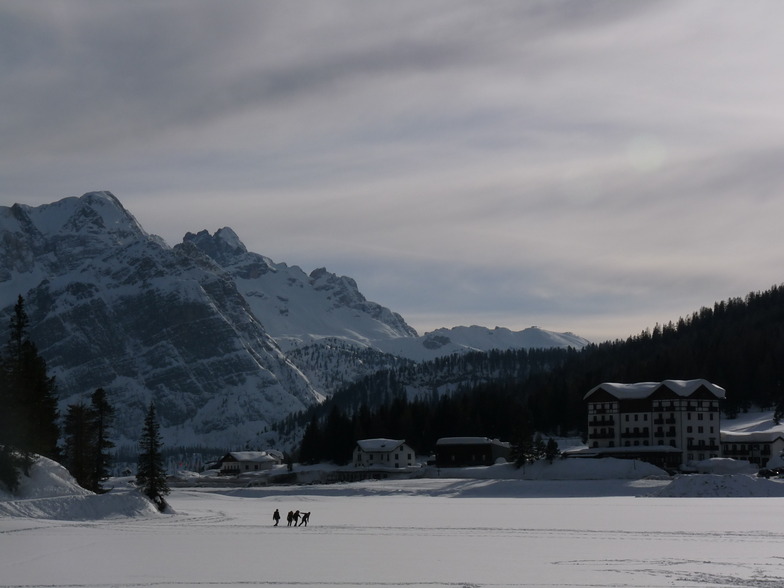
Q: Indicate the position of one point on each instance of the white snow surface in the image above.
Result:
(449, 531)
(50, 492)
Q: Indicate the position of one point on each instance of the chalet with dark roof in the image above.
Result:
(470, 451)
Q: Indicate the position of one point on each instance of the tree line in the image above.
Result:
(737, 344)
(30, 423)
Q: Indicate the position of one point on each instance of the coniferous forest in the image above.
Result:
(28, 403)
(511, 395)
(737, 344)
(29, 422)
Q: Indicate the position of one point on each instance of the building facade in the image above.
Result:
(667, 423)
(470, 451)
(239, 462)
(383, 453)
(756, 447)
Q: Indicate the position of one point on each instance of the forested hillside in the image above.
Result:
(737, 344)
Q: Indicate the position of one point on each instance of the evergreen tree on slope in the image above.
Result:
(29, 394)
(86, 441)
(28, 403)
(79, 448)
(150, 474)
(103, 417)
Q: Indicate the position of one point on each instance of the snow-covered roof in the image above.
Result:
(253, 456)
(752, 437)
(641, 390)
(379, 444)
(470, 441)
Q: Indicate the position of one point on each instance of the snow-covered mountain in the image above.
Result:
(225, 341)
(111, 306)
(463, 339)
(296, 308)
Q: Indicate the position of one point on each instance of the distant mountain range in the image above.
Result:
(225, 341)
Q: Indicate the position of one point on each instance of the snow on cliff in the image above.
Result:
(225, 340)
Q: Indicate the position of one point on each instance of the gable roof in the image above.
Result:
(251, 456)
(379, 445)
(751, 437)
(640, 390)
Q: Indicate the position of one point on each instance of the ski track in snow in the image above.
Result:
(659, 572)
(581, 542)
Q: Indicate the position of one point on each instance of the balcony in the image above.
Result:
(699, 447)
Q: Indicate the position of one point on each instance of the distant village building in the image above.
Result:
(239, 462)
(470, 451)
(665, 423)
(383, 453)
(755, 447)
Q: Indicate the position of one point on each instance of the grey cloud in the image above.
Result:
(532, 159)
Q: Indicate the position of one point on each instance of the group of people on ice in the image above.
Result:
(293, 518)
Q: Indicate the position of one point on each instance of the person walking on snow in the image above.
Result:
(276, 517)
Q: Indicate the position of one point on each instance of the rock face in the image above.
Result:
(111, 306)
(225, 341)
(296, 308)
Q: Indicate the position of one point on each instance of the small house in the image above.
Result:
(470, 451)
(384, 453)
(240, 462)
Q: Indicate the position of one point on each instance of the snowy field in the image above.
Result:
(416, 533)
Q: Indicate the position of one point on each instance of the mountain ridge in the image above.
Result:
(206, 329)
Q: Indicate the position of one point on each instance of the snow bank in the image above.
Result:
(722, 486)
(724, 465)
(561, 469)
(50, 492)
(48, 479)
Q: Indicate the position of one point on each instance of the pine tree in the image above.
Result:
(86, 442)
(150, 474)
(551, 450)
(311, 449)
(28, 403)
(79, 451)
(103, 417)
(28, 393)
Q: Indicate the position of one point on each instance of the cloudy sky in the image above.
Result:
(584, 166)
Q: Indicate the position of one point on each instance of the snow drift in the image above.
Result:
(50, 492)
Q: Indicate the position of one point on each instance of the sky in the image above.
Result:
(586, 166)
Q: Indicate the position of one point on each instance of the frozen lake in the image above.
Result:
(416, 533)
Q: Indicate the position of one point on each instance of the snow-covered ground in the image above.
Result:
(430, 532)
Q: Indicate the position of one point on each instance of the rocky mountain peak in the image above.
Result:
(224, 246)
(225, 340)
